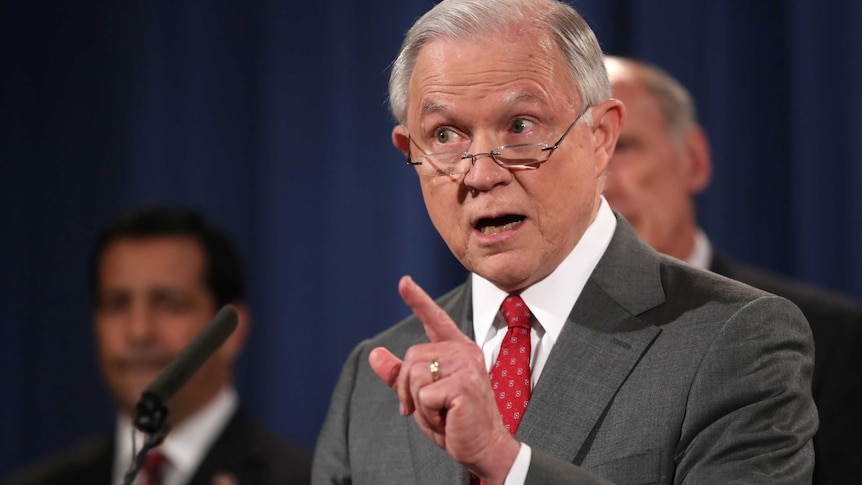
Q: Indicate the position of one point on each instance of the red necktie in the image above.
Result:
(154, 467)
(510, 375)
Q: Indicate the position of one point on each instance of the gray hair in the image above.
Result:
(675, 102)
(469, 19)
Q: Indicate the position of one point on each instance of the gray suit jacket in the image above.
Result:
(662, 374)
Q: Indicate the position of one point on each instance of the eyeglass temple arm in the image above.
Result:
(409, 157)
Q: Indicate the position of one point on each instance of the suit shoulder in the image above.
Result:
(817, 303)
(680, 277)
(704, 299)
(828, 312)
(255, 454)
(87, 461)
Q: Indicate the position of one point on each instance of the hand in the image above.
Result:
(457, 412)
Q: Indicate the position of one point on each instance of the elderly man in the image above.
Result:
(574, 353)
(662, 161)
(159, 276)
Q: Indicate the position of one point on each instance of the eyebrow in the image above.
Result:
(431, 107)
(521, 96)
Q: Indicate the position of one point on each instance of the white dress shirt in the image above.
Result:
(184, 447)
(701, 254)
(550, 301)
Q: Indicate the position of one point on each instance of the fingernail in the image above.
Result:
(401, 409)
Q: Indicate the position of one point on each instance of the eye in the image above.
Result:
(170, 301)
(445, 135)
(522, 126)
(112, 303)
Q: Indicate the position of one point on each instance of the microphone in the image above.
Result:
(151, 410)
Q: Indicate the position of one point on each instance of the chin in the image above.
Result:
(506, 279)
(129, 393)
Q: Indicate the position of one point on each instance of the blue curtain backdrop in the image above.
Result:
(271, 117)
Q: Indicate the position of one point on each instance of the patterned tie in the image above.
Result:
(510, 375)
(154, 468)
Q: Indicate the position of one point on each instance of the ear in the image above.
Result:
(236, 341)
(699, 170)
(607, 123)
(400, 138)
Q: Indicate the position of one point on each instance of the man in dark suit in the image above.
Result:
(159, 276)
(575, 353)
(661, 163)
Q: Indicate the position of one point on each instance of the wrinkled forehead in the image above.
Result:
(500, 69)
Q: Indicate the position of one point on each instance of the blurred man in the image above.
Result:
(159, 276)
(661, 163)
(575, 353)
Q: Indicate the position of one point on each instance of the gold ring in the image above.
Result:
(434, 367)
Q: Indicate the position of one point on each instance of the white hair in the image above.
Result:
(469, 19)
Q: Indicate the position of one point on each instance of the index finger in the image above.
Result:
(438, 325)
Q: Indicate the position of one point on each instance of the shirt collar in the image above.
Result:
(551, 299)
(185, 445)
(701, 254)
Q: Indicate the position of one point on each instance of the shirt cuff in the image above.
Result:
(518, 473)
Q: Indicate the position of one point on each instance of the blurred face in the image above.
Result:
(152, 301)
(652, 177)
(511, 227)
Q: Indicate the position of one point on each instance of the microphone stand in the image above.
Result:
(152, 419)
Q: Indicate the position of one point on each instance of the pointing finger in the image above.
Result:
(438, 325)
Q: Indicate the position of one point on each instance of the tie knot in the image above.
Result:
(515, 312)
(154, 467)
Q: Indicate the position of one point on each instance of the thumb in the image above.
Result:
(385, 365)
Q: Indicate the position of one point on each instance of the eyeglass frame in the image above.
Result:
(496, 151)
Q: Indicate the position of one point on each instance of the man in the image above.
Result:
(661, 163)
(608, 361)
(159, 276)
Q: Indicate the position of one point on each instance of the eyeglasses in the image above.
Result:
(526, 156)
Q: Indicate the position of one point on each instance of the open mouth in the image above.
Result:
(496, 225)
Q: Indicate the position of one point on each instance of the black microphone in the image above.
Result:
(151, 410)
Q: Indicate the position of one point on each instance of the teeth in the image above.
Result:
(499, 229)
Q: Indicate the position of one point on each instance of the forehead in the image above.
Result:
(152, 260)
(642, 107)
(512, 67)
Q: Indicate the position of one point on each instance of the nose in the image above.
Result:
(140, 324)
(486, 173)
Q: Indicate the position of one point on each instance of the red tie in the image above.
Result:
(510, 375)
(154, 467)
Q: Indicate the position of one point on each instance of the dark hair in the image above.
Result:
(223, 274)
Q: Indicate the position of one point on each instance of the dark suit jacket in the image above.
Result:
(245, 450)
(836, 323)
(662, 374)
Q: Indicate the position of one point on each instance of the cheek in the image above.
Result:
(176, 335)
(109, 339)
(441, 201)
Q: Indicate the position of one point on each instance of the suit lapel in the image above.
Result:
(432, 465)
(600, 345)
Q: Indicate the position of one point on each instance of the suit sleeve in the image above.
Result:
(750, 417)
(331, 462)
(547, 469)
